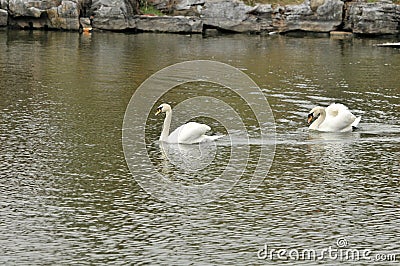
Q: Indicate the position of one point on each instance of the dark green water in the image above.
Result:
(67, 196)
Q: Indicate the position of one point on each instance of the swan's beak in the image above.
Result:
(158, 110)
(310, 118)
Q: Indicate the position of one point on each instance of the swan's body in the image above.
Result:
(189, 133)
(334, 118)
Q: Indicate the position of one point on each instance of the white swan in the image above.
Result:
(334, 118)
(188, 133)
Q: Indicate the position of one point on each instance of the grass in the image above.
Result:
(150, 10)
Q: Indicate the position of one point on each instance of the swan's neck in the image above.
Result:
(166, 126)
(319, 120)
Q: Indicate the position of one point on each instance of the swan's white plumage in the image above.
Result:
(334, 118)
(189, 133)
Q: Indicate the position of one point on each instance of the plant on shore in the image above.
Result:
(147, 9)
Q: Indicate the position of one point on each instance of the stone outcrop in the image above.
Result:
(172, 24)
(112, 15)
(373, 18)
(230, 16)
(44, 14)
(195, 16)
(3, 18)
(314, 15)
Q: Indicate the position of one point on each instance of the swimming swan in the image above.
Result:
(334, 118)
(188, 133)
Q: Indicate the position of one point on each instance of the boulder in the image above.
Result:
(30, 8)
(315, 16)
(85, 23)
(52, 14)
(65, 16)
(373, 18)
(172, 24)
(230, 15)
(3, 18)
(4, 4)
(112, 15)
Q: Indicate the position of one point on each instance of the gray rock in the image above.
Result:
(29, 8)
(111, 15)
(4, 4)
(34, 12)
(373, 18)
(52, 14)
(230, 16)
(3, 18)
(315, 16)
(172, 24)
(85, 23)
(67, 16)
(187, 4)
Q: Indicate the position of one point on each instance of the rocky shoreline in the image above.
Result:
(197, 16)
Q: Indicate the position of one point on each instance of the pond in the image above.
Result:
(68, 196)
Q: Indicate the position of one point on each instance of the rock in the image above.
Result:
(3, 18)
(52, 14)
(187, 4)
(340, 35)
(4, 4)
(65, 16)
(85, 22)
(112, 15)
(229, 15)
(373, 18)
(28, 8)
(162, 5)
(314, 4)
(315, 16)
(172, 24)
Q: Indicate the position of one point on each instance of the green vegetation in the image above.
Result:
(147, 9)
(150, 10)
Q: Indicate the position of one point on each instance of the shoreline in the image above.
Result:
(199, 16)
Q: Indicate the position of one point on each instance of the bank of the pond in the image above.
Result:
(196, 16)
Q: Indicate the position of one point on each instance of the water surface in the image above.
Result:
(67, 196)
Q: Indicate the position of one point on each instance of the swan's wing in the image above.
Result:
(338, 118)
(191, 132)
(335, 109)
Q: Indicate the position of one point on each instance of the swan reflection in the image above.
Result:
(331, 149)
(189, 158)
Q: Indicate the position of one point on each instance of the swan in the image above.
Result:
(334, 118)
(189, 133)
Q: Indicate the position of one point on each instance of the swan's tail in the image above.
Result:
(354, 125)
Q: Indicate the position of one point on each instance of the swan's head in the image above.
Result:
(314, 114)
(163, 108)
